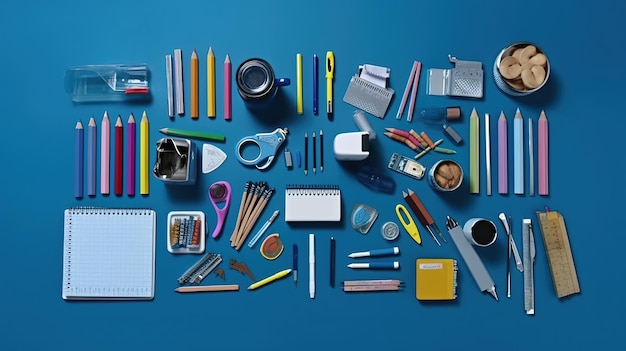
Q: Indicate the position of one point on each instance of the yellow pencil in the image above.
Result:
(144, 155)
(194, 84)
(299, 83)
(269, 279)
(210, 81)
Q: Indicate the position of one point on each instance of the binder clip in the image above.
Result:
(176, 161)
(464, 80)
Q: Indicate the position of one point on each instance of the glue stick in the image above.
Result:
(362, 123)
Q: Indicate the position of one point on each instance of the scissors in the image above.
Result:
(410, 225)
(268, 144)
(220, 192)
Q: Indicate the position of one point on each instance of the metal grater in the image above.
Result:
(368, 97)
(464, 80)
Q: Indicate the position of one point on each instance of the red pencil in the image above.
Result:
(119, 156)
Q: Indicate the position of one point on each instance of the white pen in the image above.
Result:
(375, 265)
(312, 266)
(377, 252)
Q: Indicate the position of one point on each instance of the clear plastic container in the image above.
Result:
(95, 83)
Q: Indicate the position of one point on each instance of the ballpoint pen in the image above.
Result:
(258, 234)
(330, 71)
(295, 265)
(332, 262)
(315, 83)
(312, 266)
(269, 279)
(375, 265)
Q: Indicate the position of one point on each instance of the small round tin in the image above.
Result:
(390, 231)
(514, 86)
(445, 175)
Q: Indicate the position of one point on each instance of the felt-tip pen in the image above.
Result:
(375, 265)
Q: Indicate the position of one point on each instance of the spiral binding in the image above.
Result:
(312, 189)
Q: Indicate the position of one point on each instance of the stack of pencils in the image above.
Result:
(253, 201)
(419, 142)
(372, 285)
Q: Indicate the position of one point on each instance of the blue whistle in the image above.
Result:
(268, 144)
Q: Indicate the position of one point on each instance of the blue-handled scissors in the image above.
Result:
(268, 144)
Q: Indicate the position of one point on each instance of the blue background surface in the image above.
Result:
(583, 102)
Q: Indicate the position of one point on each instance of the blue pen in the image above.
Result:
(294, 270)
(375, 265)
(377, 252)
(315, 83)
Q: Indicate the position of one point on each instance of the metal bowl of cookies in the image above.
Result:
(521, 69)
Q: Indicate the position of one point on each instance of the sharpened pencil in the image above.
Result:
(207, 288)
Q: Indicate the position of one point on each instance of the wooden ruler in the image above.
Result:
(559, 253)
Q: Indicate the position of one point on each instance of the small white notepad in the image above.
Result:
(312, 203)
(108, 254)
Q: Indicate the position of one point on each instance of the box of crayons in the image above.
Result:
(186, 232)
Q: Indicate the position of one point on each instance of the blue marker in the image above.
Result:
(378, 252)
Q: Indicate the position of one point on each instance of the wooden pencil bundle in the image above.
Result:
(253, 201)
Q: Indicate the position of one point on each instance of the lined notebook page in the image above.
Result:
(109, 254)
(312, 203)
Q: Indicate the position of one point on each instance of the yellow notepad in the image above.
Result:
(435, 279)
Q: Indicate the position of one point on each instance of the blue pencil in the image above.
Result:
(79, 140)
(518, 153)
(315, 84)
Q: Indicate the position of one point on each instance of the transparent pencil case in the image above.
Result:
(96, 83)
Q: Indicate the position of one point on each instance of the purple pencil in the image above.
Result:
(79, 140)
(91, 157)
(130, 159)
(502, 155)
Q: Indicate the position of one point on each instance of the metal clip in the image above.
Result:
(268, 144)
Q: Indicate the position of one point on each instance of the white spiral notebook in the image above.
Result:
(108, 254)
(312, 203)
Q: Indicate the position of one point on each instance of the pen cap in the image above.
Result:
(257, 84)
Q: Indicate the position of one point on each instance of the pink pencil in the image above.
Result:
(542, 167)
(130, 159)
(105, 150)
(406, 91)
(227, 88)
(502, 155)
(416, 81)
(404, 133)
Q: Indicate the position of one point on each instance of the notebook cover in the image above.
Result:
(435, 279)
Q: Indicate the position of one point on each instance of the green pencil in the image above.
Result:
(192, 134)
(444, 150)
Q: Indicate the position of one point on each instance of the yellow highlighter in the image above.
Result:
(330, 71)
(408, 225)
(269, 279)
(299, 108)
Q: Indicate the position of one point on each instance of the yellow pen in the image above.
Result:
(330, 70)
(410, 227)
(269, 279)
(299, 108)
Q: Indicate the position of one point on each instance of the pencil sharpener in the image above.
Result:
(176, 161)
(352, 146)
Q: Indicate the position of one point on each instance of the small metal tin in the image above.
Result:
(390, 231)
(176, 161)
(501, 82)
(433, 181)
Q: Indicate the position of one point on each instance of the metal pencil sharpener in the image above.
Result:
(176, 161)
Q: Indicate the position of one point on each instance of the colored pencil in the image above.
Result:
(416, 80)
(321, 151)
(207, 288)
(79, 140)
(228, 104)
(105, 154)
(314, 153)
(192, 134)
(404, 133)
(194, 85)
(210, 76)
(130, 155)
(306, 153)
(405, 96)
(119, 156)
(299, 108)
(144, 155)
(503, 187)
(474, 181)
(518, 153)
(542, 150)
(531, 159)
(488, 153)
(91, 157)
